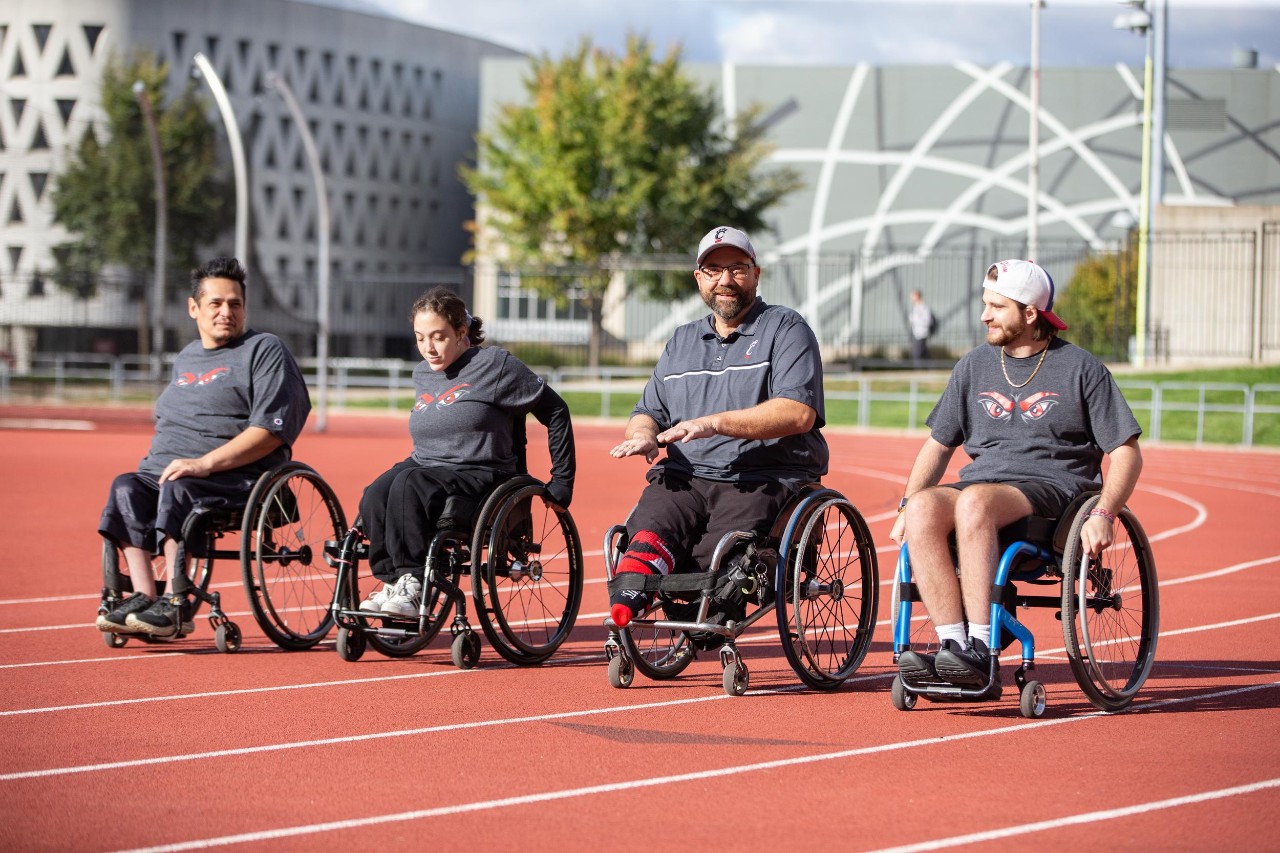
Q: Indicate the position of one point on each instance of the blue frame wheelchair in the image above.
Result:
(816, 570)
(1109, 606)
(524, 558)
(290, 514)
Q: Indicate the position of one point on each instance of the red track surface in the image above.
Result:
(178, 747)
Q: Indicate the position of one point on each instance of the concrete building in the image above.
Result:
(393, 108)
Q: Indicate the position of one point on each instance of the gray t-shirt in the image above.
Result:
(1056, 428)
(216, 394)
(773, 353)
(464, 415)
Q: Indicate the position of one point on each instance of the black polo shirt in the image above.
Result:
(773, 353)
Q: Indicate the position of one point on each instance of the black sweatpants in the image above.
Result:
(401, 508)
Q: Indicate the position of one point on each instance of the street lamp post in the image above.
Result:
(1033, 138)
(205, 70)
(277, 82)
(162, 226)
(1140, 21)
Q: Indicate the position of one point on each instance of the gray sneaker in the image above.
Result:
(405, 599)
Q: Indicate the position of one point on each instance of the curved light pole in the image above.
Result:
(277, 82)
(162, 228)
(206, 71)
(1033, 139)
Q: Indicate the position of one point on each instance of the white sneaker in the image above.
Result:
(405, 599)
(377, 598)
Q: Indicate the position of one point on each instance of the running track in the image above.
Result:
(175, 747)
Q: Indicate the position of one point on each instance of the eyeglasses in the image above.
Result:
(737, 272)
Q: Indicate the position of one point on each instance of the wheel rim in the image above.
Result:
(532, 570)
(292, 585)
(832, 595)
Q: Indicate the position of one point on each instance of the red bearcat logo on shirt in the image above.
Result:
(187, 379)
(448, 398)
(1000, 408)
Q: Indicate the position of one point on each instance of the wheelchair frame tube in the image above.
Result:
(902, 619)
(1001, 618)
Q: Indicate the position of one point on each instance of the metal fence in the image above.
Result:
(1168, 411)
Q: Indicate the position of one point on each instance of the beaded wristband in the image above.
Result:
(1099, 511)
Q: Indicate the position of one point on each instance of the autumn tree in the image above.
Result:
(106, 197)
(1100, 303)
(616, 156)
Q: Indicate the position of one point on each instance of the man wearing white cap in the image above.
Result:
(1036, 415)
(737, 399)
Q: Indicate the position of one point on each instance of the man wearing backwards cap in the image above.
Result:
(737, 399)
(1036, 415)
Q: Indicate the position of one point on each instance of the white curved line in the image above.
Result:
(983, 80)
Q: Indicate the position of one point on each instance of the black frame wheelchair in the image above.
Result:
(290, 514)
(1109, 606)
(524, 558)
(816, 570)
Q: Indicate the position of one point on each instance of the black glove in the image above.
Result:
(560, 493)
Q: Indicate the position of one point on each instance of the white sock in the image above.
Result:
(954, 631)
(980, 631)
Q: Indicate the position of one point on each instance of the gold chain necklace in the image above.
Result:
(1043, 353)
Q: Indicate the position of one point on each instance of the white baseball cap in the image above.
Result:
(723, 235)
(1025, 282)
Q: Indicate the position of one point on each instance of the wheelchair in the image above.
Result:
(816, 571)
(523, 557)
(1109, 607)
(290, 514)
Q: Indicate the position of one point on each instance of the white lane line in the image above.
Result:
(656, 781)
(1085, 817)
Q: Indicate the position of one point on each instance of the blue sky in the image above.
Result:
(1202, 33)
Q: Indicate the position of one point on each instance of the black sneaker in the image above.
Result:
(967, 666)
(115, 621)
(164, 618)
(918, 670)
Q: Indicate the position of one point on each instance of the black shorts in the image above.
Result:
(1047, 501)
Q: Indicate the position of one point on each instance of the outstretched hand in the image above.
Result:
(635, 447)
(686, 431)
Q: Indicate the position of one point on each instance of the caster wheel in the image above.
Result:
(227, 637)
(465, 650)
(736, 678)
(902, 700)
(351, 644)
(621, 671)
(114, 641)
(1032, 702)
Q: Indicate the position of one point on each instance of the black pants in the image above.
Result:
(401, 508)
(142, 513)
(691, 515)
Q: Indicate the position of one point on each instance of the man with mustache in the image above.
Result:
(1036, 415)
(737, 399)
(232, 410)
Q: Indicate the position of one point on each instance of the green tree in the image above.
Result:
(1099, 302)
(106, 197)
(614, 156)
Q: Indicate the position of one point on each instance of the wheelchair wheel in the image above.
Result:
(1110, 611)
(660, 653)
(526, 571)
(290, 515)
(827, 590)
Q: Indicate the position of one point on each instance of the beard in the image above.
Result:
(999, 336)
(727, 306)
